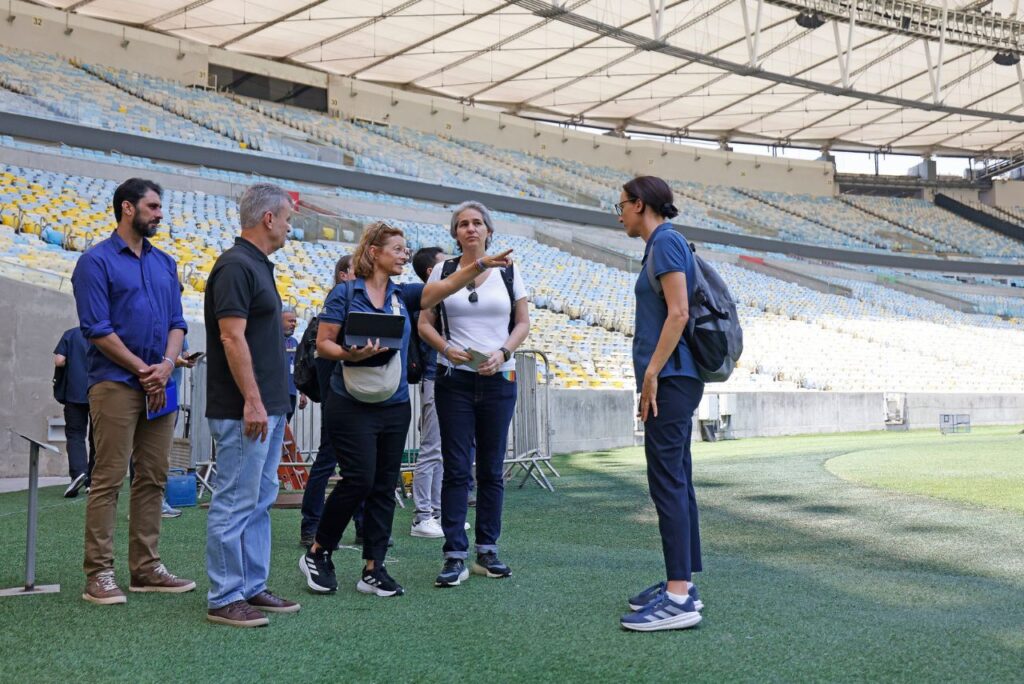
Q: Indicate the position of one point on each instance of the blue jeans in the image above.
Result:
(472, 407)
(670, 474)
(238, 526)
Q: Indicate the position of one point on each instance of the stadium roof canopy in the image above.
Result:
(892, 75)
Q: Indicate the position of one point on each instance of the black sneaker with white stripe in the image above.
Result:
(318, 570)
(453, 573)
(379, 582)
(76, 484)
(488, 565)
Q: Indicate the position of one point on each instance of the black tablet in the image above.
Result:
(361, 327)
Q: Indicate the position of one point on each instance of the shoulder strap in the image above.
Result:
(649, 270)
(447, 268)
(508, 275)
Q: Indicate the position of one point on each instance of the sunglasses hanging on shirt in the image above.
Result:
(473, 296)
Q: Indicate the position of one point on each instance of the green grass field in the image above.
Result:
(894, 557)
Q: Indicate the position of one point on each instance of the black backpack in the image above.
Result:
(414, 360)
(60, 383)
(306, 379)
(507, 277)
(713, 333)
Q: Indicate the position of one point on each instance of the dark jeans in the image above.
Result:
(368, 440)
(292, 400)
(76, 426)
(670, 474)
(324, 463)
(472, 407)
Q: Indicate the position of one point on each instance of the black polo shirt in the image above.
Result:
(242, 285)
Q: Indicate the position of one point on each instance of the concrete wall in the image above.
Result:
(591, 420)
(923, 410)
(33, 320)
(449, 118)
(1005, 193)
(99, 42)
(765, 414)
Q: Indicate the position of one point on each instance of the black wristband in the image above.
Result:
(505, 352)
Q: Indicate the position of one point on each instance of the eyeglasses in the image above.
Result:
(473, 296)
(619, 205)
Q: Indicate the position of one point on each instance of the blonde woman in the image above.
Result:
(367, 428)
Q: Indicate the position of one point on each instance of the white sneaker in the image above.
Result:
(429, 528)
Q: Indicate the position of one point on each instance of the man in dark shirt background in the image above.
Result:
(288, 321)
(247, 402)
(72, 391)
(129, 308)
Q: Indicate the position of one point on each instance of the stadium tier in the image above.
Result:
(877, 339)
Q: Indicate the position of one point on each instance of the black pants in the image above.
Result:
(368, 440)
(670, 474)
(76, 426)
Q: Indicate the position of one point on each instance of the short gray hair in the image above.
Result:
(258, 200)
(288, 308)
(484, 212)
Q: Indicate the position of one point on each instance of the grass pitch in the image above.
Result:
(893, 557)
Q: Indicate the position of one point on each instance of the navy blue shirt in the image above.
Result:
(74, 349)
(138, 298)
(671, 254)
(334, 312)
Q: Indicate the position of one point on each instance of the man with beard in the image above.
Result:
(129, 309)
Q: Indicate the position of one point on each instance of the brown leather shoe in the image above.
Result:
(237, 614)
(158, 579)
(102, 589)
(269, 603)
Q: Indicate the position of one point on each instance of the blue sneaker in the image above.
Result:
(655, 590)
(662, 613)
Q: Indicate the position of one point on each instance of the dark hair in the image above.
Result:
(132, 190)
(344, 263)
(424, 259)
(654, 193)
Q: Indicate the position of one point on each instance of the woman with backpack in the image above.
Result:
(480, 326)
(367, 409)
(670, 390)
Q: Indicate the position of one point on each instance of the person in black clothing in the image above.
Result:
(324, 463)
(72, 392)
(368, 409)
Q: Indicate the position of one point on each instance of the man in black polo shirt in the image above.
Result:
(247, 400)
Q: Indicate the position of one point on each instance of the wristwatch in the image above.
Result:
(505, 352)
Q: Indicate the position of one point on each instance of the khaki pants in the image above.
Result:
(122, 434)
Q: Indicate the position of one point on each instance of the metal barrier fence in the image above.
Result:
(529, 447)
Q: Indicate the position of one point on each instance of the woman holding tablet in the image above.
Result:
(475, 391)
(367, 409)
(670, 390)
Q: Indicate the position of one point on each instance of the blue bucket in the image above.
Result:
(181, 489)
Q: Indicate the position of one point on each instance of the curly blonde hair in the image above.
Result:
(375, 234)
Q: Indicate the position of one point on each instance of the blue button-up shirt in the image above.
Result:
(138, 298)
